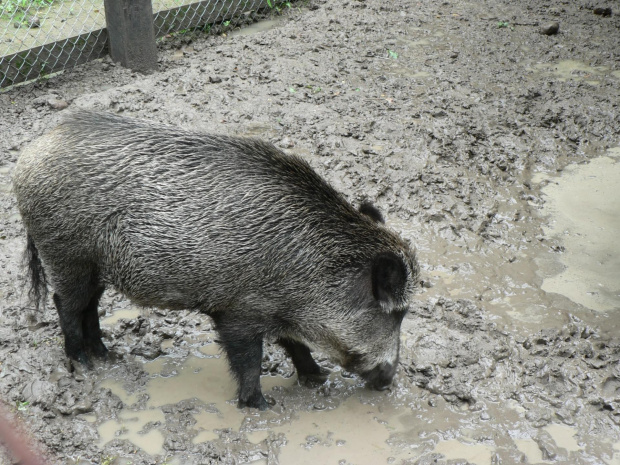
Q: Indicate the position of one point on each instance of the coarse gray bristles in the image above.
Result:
(231, 226)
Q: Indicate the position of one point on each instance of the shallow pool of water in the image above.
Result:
(583, 209)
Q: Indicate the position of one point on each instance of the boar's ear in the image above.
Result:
(389, 280)
(373, 212)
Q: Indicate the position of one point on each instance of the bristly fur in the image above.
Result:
(230, 226)
(373, 212)
(37, 292)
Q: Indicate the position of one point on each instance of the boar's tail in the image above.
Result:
(38, 279)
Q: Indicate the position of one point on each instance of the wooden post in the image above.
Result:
(131, 38)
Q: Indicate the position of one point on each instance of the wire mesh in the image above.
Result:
(38, 37)
(180, 15)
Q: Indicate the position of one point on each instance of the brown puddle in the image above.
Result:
(127, 313)
(356, 430)
(353, 432)
(583, 206)
(532, 287)
(365, 427)
(131, 425)
(566, 70)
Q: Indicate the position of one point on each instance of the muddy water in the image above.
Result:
(340, 423)
(507, 281)
(583, 206)
(574, 70)
(356, 431)
(570, 266)
(119, 314)
(355, 425)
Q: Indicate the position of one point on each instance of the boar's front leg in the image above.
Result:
(244, 349)
(308, 371)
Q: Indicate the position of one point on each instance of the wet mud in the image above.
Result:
(492, 147)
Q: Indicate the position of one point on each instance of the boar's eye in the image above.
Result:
(389, 279)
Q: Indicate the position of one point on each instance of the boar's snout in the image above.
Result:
(380, 377)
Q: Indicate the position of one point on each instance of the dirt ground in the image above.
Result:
(491, 146)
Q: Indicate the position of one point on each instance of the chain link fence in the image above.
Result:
(40, 37)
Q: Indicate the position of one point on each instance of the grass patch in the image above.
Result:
(278, 5)
(17, 9)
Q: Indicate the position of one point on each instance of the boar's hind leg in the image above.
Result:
(76, 302)
(90, 326)
(308, 371)
(244, 350)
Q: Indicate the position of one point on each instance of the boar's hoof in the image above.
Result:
(313, 380)
(78, 367)
(99, 350)
(82, 362)
(258, 402)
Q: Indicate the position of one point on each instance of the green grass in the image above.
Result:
(277, 5)
(108, 460)
(16, 9)
(23, 406)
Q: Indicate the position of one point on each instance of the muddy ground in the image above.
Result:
(490, 145)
